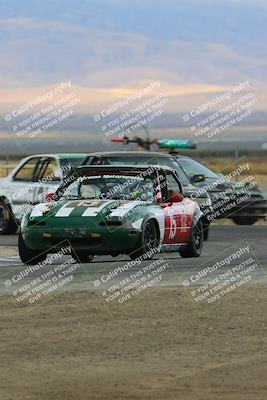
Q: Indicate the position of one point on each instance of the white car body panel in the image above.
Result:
(23, 195)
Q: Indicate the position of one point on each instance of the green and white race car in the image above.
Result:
(114, 210)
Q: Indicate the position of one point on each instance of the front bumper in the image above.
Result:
(103, 241)
(255, 207)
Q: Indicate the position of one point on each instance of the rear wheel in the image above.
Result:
(83, 257)
(195, 245)
(29, 256)
(148, 243)
(245, 220)
(8, 224)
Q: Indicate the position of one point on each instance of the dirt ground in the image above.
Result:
(157, 348)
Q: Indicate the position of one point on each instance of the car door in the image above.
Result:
(21, 185)
(48, 177)
(178, 217)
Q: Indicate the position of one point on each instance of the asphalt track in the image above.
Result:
(219, 246)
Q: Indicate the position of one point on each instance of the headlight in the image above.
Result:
(203, 203)
(40, 210)
(207, 202)
(24, 221)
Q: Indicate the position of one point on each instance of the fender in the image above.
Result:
(159, 218)
(151, 217)
(198, 214)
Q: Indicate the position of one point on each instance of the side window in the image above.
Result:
(27, 171)
(99, 161)
(172, 184)
(50, 170)
(66, 164)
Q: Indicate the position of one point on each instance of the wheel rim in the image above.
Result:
(150, 237)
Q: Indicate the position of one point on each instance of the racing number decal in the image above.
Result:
(86, 203)
(173, 228)
(177, 226)
(89, 207)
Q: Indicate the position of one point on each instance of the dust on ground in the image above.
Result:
(157, 348)
(6, 251)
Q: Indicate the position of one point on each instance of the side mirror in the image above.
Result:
(197, 178)
(176, 197)
(50, 197)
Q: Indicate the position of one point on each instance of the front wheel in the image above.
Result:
(195, 244)
(83, 257)
(245, 220)
(29, 256)
(148, 243)
(8, 224)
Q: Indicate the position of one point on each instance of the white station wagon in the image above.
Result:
(29, 183)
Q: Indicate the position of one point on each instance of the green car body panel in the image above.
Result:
(85, 233)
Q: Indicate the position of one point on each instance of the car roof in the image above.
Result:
(134, 153)
(122, 168)
(60, 155)
(72, 155)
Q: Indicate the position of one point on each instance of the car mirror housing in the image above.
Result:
(197, 178)
(176, 197)
(50, 196)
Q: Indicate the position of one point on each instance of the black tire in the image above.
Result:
(29, 256)
(8, 225)
(83, 257)
(195, 244)
(245, 220)
(149, 242)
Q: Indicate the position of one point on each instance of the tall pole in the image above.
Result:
(237, 162)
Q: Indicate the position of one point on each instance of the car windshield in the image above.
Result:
(67, 163)
(193, 167)
(114, 187)
(139, 160)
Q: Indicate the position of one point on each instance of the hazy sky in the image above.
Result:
(111, 44)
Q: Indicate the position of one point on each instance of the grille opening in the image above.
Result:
(110, 223)
(40, 223)
(76, 242)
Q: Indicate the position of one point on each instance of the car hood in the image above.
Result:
(189, 189)
(87, 208)
(241, 186)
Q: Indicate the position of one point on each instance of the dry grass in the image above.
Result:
(5, 169)
(226, 164)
